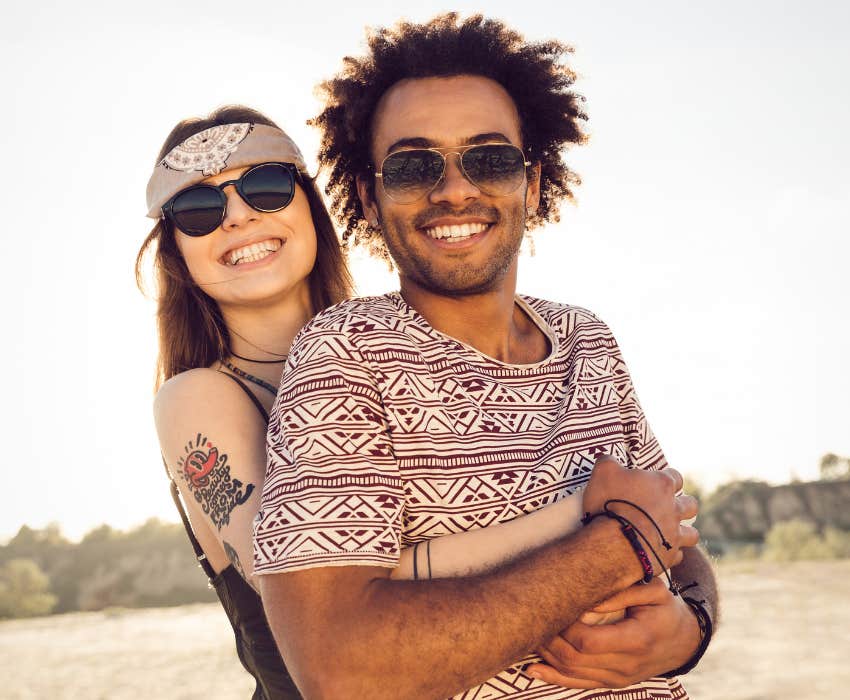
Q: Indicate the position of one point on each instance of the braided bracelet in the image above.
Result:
(705, 630)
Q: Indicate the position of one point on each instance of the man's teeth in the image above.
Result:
(253, 252)
(455, 232)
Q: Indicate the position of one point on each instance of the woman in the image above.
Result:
(245, 254)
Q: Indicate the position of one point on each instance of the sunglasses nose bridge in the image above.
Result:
(454, 182)
(446, 159)
(236, 207)
(447, 166)
(229, 183)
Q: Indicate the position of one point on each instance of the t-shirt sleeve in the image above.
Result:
(333, 494)
(641, 446)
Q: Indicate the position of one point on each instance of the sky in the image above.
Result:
(711, 231)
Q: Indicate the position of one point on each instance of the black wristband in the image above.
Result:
(705, 630)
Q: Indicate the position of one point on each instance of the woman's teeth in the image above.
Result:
(455, 232)
(253, 252)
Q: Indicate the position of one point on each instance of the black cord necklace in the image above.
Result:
(283, 356)
(250, 377)
(259, 362)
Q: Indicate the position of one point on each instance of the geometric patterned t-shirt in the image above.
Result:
(386, 432)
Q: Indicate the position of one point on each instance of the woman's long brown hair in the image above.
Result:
(191, 330)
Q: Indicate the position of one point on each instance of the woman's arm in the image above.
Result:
(477, 551)
(213, 441)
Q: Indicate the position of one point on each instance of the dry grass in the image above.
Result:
(785, 635)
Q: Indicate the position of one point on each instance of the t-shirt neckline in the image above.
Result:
(535, 317)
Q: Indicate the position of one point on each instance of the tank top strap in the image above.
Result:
(250, 395)
(199, 551)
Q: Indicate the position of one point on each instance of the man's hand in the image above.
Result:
(654, 492)
(659, 633)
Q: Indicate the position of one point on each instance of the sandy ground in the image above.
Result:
(785, 635)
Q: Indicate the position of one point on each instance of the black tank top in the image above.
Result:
(255, 645)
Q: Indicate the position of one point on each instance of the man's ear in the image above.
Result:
(366, 192)
(532, 193)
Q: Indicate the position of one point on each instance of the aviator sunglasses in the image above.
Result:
(199, 209)
(496, 169)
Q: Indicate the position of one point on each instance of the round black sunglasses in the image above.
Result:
(200, 209)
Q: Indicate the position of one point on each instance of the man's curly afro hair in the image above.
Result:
(534, 74)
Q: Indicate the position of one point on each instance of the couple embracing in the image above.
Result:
(439, 491)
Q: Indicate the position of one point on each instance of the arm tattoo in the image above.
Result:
(207, 474)
(234, 558)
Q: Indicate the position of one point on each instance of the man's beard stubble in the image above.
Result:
(455, 279)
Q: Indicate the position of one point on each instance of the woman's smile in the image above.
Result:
(252, 252)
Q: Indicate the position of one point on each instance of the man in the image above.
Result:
(457, 404)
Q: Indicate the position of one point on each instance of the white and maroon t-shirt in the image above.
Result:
(386, 432)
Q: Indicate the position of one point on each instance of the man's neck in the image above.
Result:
(489, 321)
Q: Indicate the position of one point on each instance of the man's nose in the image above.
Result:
(454, 187)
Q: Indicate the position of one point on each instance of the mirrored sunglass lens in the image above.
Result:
(407, 175)
(495, 168)
(198, 211)
(268, 187)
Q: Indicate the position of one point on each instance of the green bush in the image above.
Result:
(24, 590)
(151, 565)
(794, 540)
(838, 542)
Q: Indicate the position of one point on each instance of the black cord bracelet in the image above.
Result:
(630, 532)
(706, 629)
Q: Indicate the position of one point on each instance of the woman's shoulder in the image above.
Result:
(200, 391)
(192, 382)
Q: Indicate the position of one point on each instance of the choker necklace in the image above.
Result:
(250, 377)
(260, 362)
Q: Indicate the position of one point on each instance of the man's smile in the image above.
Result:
(456, 232)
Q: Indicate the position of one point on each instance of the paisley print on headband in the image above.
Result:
(207, 150)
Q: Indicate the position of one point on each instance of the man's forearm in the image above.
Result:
(420, 639)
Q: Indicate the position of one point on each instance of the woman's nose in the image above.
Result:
(237, 212)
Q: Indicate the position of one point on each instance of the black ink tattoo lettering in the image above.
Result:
(207, 475)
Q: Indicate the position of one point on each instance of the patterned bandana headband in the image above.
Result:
(213, 150)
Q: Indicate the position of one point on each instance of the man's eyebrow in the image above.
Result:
(421, 142)
(489, 137)
(415, 142)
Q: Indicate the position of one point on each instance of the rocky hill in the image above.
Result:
(744, 511)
